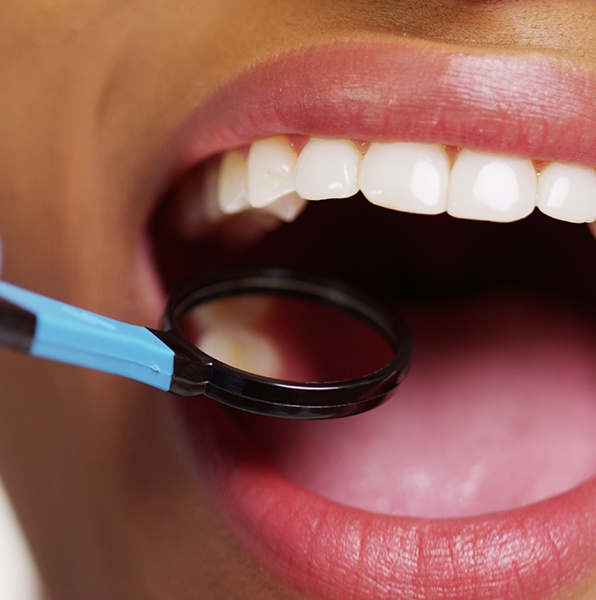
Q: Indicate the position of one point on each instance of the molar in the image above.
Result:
(230, 331)
(568, 192)
(327, 169)
(406, 176)
(242, 348)
(233, 311)
(491, 188)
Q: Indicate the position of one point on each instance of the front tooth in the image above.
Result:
(568, 192)
(327, 169)
(408, 177)
(271, 166)
(233, 184)
(242, 348)
(491, 188)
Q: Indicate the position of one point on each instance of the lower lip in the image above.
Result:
(335, 551)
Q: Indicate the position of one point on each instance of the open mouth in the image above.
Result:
(485, 458)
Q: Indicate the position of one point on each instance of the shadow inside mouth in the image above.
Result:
(499, 409)
(409, 258)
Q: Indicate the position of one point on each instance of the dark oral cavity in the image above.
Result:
(499, 408)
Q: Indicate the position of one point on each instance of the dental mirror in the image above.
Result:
(270, 341)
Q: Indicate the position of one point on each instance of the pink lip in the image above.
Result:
(536, 106)
(339, 552)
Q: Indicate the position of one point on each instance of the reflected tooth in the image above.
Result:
(288, 208)
(233, 311)
(405, 176)
(271, 166)
(232, 184)
(592, 227)
(568, 192)
(242, 348)
(327, 169)
(491, 188)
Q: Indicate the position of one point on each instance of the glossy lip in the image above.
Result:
(537, 106)
(338, 552)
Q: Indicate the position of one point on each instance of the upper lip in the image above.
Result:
(535, 105)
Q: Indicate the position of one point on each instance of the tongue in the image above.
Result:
(499, 410)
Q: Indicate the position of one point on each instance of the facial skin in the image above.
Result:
(90, 94)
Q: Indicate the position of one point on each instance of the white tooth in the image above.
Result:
(408, 177)
(242, 348)
(233, 185)
(491, 188)
(233, 311)
(288, 208)
(195, 205)
(568, 192)
(327, 169)
(271, 165)
(208, 193)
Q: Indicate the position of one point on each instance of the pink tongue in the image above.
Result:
(499, 410)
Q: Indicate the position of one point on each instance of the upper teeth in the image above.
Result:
(411, 177)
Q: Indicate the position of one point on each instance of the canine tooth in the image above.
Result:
(491, 188)
(232, 184)
(287, 208)
(242, 348)
(406, 176)
(327, 169)
(271, 166)
(568, 192)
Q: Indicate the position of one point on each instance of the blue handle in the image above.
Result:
(68, 334)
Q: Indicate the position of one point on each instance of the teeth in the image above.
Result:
(271, 166)
(233, 184)
(195, 206)
(234, 311)
(408, 177)
(271, 181)
(229, 333)
(287, 208)
(277, 159)
(491, 188)
(568, 192)
(242, 348)
(327, 169)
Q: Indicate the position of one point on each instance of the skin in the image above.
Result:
(88, 89)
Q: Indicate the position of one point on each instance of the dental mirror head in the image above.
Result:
(270, 341)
